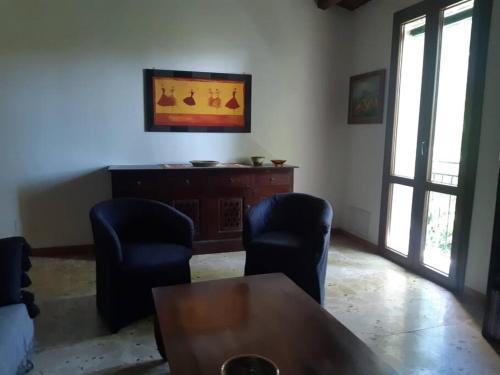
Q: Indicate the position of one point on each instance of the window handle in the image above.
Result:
(422, 148)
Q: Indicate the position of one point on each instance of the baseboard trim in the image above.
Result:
(470, 295)
(367, 245)
(199, 247)
(88, 251)
(217, 246)
(64, 251)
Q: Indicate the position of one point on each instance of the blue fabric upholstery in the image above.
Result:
(140, 244)
(290, 233)
(280, 240)
(16, 325)
(16, 339)
(11, 272)
(151, 256)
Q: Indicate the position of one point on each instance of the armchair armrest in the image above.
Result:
(321, 231)
(256, 220)
(105, 238)
(321, 238)
(175, 226)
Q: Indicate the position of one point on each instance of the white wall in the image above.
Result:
(362, 190)
(371, 50)
(71, 97)
(487, 172)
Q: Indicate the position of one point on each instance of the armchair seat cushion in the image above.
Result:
(278, 252)
(276, 241)
(153, 256)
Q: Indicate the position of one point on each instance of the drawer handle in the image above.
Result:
(272, 179)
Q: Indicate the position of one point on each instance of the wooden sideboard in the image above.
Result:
(214, 198)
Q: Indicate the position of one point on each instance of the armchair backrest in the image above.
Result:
(300, 213)
(133, 219)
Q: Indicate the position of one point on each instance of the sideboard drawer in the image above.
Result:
(134, 185)
(187, 182)
(230, 181)
(270, 179)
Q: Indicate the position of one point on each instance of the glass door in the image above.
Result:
(426, 153)
(445, 140)
(402, 181)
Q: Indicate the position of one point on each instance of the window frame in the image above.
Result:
(464, 191)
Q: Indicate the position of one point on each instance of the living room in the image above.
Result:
(73, 102)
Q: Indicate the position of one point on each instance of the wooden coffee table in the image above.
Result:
(203, 324)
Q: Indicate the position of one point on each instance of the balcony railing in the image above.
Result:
(448, 173)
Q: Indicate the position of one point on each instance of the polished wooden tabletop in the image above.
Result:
(203, 324)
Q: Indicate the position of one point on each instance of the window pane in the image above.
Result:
(408, 98)
(399, 219)
(452, 86)
(439, 231)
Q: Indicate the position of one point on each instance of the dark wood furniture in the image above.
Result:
(347, 4)
(203, 324)
(214, 198)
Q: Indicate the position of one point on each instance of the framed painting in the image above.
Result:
(366, 98)
(181, 101)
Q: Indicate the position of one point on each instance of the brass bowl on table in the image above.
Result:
(278, 162)
(249, 364)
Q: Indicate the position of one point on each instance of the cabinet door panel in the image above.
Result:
(223, 215)
(230, 215)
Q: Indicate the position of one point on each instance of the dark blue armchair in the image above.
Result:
(140, 244)
(290, 233)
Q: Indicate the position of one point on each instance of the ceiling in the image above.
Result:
(347, 4)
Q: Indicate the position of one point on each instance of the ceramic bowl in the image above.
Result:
(258, 160)
(249, 364)
(278, 162)
(204, 163)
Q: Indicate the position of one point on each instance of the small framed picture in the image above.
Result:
(366, 98)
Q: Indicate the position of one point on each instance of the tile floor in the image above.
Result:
(414, 325)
